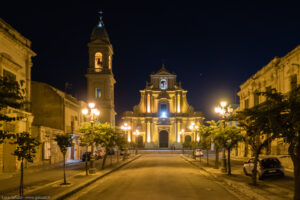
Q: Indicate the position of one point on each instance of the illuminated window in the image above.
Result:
(163, 110)
(97, 93)
(98, 62)
(109, 62)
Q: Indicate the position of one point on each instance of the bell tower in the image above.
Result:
(100, 79)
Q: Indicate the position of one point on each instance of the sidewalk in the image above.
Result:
(47, 184)
(271, 188)
(37, 175)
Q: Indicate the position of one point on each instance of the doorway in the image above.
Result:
(163, 139)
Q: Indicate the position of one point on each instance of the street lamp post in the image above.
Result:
(193, 127)
(91, 112)
(127, 129)
(223, 110)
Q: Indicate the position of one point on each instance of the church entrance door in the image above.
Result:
(140, 143)
(163, 139)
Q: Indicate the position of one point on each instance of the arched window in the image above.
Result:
(109, 62)
(163, 109)
(98, 62)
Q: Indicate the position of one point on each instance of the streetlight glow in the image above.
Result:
(91, 105)
(85, 111)
(223, 104)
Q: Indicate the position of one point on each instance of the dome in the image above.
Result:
(99, 33)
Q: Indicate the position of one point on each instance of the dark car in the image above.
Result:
(269, 166)
(124, 151)
(86, 155)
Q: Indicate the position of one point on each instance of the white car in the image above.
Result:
(198, 153)
(265, 167)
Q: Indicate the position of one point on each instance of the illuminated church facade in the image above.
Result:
(163, 118)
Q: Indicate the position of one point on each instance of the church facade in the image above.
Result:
(163, 118)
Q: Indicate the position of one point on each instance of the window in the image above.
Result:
(98, 62)
(163, 110)
(256, 98)
(293, 81)
(163, 107)
(246, 102)
(109, 62)
(97, 93)
(9, 75)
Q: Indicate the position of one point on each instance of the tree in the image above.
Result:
(25, 150)
(103, 134)
(257, 123)
(214, 127)
(108, 138)
(87, 139)
(205, 139)
(229, 137)
(286, 121)
(64, 141)
(11, 95)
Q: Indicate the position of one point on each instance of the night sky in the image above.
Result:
(212, 48)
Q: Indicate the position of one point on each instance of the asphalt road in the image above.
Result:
(156, 176)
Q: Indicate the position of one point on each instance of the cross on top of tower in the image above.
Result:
(101, 24)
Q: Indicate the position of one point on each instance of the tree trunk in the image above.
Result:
(118, 156)
(86, 162)
(297, 177)
(110, 160)
(246, 148)
(224, 160)
(65, 181)
(104, 159)
(21, 181)
(296, 161)
(207, 157)
(217, 158)
(229, 165)
(254, 171)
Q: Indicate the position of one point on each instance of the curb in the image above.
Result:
(229, 183)
(73, 191)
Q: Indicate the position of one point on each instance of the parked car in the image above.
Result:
(269, 166)
(86, 155)
(198, 153)
(124, 151)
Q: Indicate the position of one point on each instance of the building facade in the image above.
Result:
(163, 116)
(281, 73)
(15, 63)
(100, 78)
(55, 112)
